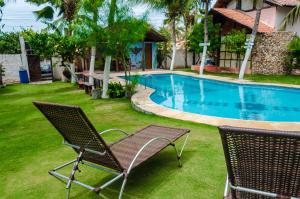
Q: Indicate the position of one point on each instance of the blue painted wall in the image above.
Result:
(136, 59)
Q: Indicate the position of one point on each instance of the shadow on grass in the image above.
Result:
(152, 174)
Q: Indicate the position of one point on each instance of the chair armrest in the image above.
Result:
(117, 130)
(147, 144)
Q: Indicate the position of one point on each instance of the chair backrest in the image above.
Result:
(77, 130)
(263, 160)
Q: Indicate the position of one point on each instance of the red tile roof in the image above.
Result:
(222, 3)
(243, 19)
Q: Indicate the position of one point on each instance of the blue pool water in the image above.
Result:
(223, 99)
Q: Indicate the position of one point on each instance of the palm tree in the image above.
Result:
(292, 16)
(205, 44)
(189, 16)
(91, 7)
(173, 10)
(259, 6)
(66, 12)
(111, 20)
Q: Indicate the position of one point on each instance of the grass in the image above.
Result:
(281, 79)
(30, 146)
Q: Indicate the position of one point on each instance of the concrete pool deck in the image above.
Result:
(141, 101)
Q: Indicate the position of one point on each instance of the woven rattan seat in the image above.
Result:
(262, 161)
(126, 149)
(119, 157)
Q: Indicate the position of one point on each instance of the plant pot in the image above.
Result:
(96, 94)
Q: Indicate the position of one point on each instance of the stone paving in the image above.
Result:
(142, 102)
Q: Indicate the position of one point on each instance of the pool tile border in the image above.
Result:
(141, 101)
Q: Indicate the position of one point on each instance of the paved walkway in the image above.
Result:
(141, 101)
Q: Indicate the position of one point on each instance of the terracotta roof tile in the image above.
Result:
(243, 19)
(221, 3)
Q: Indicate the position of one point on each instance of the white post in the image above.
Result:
(106, 76)
(24, 56)
(174, 44)
(203, 59)
(73, 78)
(92, 65)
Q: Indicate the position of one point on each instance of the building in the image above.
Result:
(144, 53)
(241, 13)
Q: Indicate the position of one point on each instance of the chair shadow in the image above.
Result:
(150, 174)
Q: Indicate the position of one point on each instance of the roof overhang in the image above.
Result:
(242, 18)
(154, 36)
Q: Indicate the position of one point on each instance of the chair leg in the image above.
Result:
(123, 186)
(68, 192)
(72, 175)
(226, 191)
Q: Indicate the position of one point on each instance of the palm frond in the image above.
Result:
(292, 17)
(46, 13)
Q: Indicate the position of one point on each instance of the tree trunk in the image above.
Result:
(174, 44)
(111, 19)
(106, 76)
(194, 57)
(73, 76)
(205, 38)
(92, 65)
(252, 39)
(185, 44)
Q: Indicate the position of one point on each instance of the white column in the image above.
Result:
(106, 76)
(24, 55)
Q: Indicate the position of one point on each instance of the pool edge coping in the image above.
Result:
(141, 102)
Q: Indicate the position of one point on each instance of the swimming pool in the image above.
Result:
(224, 99)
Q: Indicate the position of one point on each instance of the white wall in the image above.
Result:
(11, 63)
(268, 15)
(179, 59)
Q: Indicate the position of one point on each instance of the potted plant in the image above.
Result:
(96, 93)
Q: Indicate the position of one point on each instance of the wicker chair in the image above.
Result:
(118, 158)
(261, 163)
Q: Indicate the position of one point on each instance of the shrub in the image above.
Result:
(115, 90)
(292, 60)
(130, 87)
(9, 43)
(235, 41)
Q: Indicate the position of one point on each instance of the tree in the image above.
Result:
(189, 16)
(122, 30)
(111, 20)
(197, 36)
(41, 43)
(259, 6)
(173, 10)
(1, 5)
(164, 48)
(205, 44)
(66, 12)
(91, 7)
(292, 17)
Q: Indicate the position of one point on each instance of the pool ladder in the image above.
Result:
(150, 78)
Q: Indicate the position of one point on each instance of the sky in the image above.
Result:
(18, 14)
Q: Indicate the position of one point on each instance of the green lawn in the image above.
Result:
(283, 79)
(30, 146)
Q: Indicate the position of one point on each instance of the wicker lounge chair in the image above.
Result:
(261, 163)
(118, 158)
